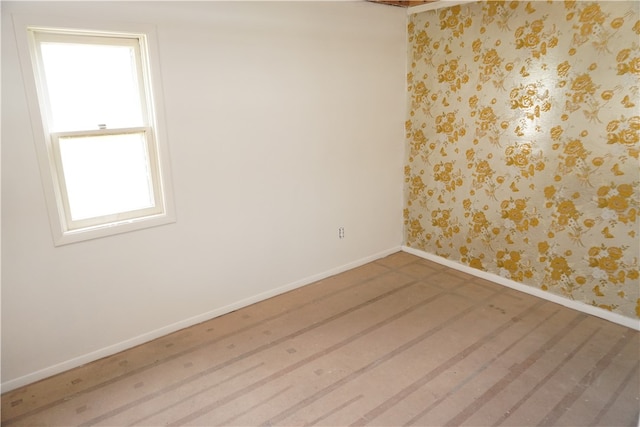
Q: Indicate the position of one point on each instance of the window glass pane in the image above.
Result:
(106, 174)
(91, 84)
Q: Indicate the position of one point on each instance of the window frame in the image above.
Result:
(64, 229)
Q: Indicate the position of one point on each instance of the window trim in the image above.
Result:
(45, 141)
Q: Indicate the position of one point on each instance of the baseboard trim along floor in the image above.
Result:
(160, 332)
(575, 305)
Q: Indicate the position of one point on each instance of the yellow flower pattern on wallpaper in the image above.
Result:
(523, 143)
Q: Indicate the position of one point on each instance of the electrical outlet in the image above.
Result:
(341, 232)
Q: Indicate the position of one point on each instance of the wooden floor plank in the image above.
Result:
(399, 341)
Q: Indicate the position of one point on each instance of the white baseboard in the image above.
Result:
(575, 305)
(149, 336)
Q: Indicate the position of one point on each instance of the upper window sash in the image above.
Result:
(39, 38)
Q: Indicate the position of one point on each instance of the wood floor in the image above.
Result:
(400, 341)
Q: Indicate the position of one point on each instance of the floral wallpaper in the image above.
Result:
(523, 136)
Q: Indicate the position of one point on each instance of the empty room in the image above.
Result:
(337, 213)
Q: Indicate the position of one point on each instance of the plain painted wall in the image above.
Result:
(285, 121)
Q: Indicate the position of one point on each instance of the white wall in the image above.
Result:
(285, 121)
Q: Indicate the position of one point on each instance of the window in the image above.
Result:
(104, 167)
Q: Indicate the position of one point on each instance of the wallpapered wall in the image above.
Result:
(523, 142)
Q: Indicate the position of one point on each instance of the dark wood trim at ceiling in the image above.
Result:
(401, 3)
